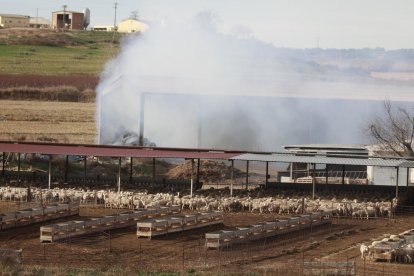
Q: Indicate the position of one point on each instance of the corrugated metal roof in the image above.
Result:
(290, 158)
(14, 15)
(113, 151)
(149, 152)
(66, 12)
(327, 146)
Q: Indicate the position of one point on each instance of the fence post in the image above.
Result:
(364, 264)
(183, 257)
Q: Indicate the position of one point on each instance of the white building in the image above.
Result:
(14, 21)
(103, 28)
(375, 175)
(131, 25)
(39, 23)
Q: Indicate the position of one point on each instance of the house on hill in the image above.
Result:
(70, 20)
(132, 25)
(14, 21)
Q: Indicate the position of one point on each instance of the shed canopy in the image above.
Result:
(316, 159)
(158, 152)
(113, 151)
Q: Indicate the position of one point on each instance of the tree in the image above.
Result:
(394, 131)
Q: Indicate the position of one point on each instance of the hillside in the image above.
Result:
(48, 52)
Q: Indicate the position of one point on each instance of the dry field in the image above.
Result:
(123, 253)
(47, 121)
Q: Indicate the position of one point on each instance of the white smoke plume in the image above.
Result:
(203, 88)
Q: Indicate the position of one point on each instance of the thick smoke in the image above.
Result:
(202, 88)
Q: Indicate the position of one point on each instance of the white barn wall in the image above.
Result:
(387, 176)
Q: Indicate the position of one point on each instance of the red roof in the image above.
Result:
(114, 151)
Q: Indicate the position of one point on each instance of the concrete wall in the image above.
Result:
(10, 21)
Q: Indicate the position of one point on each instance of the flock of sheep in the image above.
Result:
(399, 248)
(279, 204)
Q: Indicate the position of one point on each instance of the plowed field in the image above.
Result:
(47, 121)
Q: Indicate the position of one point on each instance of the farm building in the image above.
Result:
(103, 28)
(375, 175)
(131, 25)
(14, 20)
(70, 20)
(39, 23)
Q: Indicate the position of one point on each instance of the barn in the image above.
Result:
(71, 20)
(341, 173)
(131, 25)
(14, 21)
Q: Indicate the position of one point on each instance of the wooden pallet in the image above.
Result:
(68, 229)
(223, 238)
(37, 214)
(171, 224)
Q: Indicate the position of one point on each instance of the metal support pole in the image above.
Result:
(153, 171)
(18, 167)
(50, 171)
(291, 171)
(119, 175)
(396, 184)
(343, 174)
(408, 177)
(3, 165)
(66, 168)
(232, 178)
(313, 181)
(247, 174)
(326, 173)
(198, 173)
(192, 177)
(130, 170)
(84, 171)
(267, 173)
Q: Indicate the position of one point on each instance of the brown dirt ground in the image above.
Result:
(185, 251)
(47, 121)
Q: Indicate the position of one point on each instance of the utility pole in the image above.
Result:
(115, 7)
(113, 34)
(64, 16)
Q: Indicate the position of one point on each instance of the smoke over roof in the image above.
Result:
(204, 88)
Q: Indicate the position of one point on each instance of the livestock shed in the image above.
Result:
(14, 21)
(349, 174)
(400, 165)
(71, 20)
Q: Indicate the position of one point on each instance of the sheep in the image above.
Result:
(282, 203)
(365, 251)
